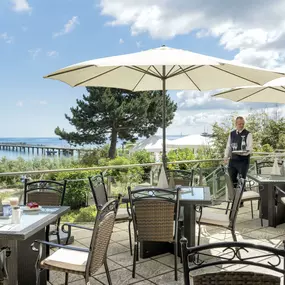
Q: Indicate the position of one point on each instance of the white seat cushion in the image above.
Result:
(67, 259)
(212, 218)
(283, 200)
(250, 195)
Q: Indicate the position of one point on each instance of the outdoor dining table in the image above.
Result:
(275, 214)
(190, 197)
(19, 237)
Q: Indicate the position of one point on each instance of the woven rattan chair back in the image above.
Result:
(45, 192)
(98, 189)
(236, 202)
(230, 186)
(266, 165)
(153, 211)
(101, 236)
(233, 254)
(181, 177)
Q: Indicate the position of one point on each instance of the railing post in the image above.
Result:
(109, 185)
(214, 186)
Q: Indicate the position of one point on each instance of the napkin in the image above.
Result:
(275, 169)
(162, 180)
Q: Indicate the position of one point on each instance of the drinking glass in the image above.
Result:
(234, 146)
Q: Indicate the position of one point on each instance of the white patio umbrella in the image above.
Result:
(163, 69)
(271, 92)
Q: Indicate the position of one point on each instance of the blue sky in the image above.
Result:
(38, 37)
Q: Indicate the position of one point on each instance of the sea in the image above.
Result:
(48, 141)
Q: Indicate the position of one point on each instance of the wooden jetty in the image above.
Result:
(43, 149)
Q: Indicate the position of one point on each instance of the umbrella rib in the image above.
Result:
(98, 75)
(170, 70)
(251, 94)
(67, 71)
(190, 78)
(138, 69)
(189, 68)
(231, 73)
(157, 71)
(144, 74)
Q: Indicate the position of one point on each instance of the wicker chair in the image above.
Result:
(232, 254)
(4, 253)
(248, 196)
(46, 193)
(207, 217)
(180, 177)
(153, 211)
(99, 192)
(77, 260)
(265, 166)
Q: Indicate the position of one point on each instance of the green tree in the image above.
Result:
(108, 114)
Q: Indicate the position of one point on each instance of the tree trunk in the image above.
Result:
(113, 145)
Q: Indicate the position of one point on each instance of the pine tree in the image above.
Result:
(108, 114)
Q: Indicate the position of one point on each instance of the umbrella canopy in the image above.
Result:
(151, 144)
(271, 92)
(163, 69)
(145, 71)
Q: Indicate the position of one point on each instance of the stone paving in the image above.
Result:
(159, 269)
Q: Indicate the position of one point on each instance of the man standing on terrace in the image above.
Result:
(238, 150)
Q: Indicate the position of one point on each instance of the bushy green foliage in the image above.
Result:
(83, 215)
(179, 155)
(78, 189)
(92, 158)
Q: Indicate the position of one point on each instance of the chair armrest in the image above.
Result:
(279, 190)
(41, 242)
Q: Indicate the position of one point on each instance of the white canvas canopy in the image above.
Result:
(151, 144)
(192, 141)
(271, 92)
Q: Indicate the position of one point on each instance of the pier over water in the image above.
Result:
(42, 149)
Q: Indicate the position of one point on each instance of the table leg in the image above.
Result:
(271, 206)
(189, 224)
(21, 262)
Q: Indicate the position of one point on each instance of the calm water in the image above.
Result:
(53, 141)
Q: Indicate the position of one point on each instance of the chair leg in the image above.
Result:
(175, 260)
(228, 208)
(199, 234)
(251, 207)
(235, 240)
(258, 204)
(107, 273)
(130, 238)
(135, 259)
(66, 279)
(38, 276)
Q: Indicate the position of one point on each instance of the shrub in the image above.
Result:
(78, 189)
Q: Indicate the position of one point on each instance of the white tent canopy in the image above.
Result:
(191, 141)
(151, 144)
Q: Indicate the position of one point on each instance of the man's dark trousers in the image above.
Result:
(238, 167)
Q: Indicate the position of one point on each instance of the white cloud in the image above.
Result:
(43, 102)
(34, 52)
(21, 6)
(68, 27)
(121, 41)
(6, 38)
(20, 103)
(52, 53)
(256, 31)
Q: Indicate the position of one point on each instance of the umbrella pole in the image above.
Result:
(164, 158)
